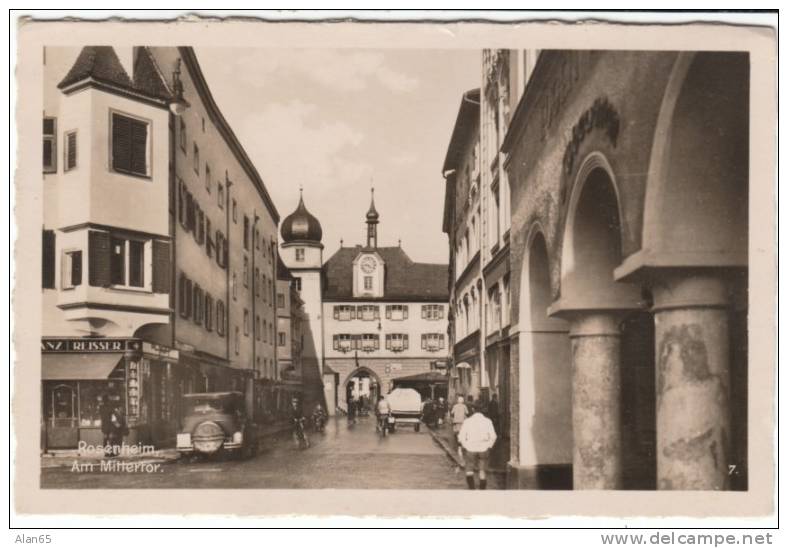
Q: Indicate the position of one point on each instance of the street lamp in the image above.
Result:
(179, 104)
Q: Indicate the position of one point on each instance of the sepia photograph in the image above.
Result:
(499, 264)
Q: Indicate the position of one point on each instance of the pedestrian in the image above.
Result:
(442, 410)
(493, 412)
(458, 415)
(105, 414)
(118, 429)
(351, 408)
(477, 436)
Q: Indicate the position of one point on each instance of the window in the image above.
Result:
(237, 340)
(196, 159)
(48, 259)
(208, 178)
(246, 271)
(246, 233)
(220, 195)
(369, 342)
(343, 342)
(129, 145)
(300, 254)
(198, 300)
(396, 342)
(369, 312)
(344, 312)
(50, 145)
(208, 238)
(297, 283)
(127, 262)
(182, 135)
(203, 124)
(257, 327)
(280, 300)
(71, 269)
(70, 152)
(432, 311)
(235, 211)
(282, 341)
(185, 295)
(257, 240)
(270, 292)
(397, 312)
(432, 342)
(208, 312)
(265, 331)
(257, 282)
(271, 332)
(368, 282)
(235, 286)
(221, 320)
(199, 230)
(246, 322)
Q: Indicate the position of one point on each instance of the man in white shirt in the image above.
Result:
(477, 436)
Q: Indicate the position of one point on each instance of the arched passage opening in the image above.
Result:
(545, 371)
(363, 387)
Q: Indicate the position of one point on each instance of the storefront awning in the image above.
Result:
(78, 367)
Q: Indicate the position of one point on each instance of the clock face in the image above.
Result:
(368, 264)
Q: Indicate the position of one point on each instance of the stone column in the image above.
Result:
(596, 386)
(692, 384)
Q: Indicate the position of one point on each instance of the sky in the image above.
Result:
(340, 121)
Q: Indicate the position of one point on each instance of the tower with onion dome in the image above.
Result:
(302, 252)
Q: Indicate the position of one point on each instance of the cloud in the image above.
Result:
(338, 70)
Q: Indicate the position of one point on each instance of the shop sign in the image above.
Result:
(87, 345)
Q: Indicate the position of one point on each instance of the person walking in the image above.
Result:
(458, 415)
(105, 414)
(351, 408)
(117, 431)
(493, 413)
(477, 436)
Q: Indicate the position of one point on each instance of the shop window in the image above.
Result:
(396, 342)
(50, 145)
(130, 145)
(128, 263)
(70, 152)
(71, 269)
(397, 312)
(432, 311)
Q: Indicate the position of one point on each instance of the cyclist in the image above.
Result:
(297, 417)
(383, 411)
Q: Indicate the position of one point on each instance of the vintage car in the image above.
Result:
(405, 404)
(216, 422)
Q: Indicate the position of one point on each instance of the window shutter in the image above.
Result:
(182, 298)
(424, 342)
(405, 342)
(182, 203)
(139, 142)
(99, 249)
(219, 248)
(71, 147)
(48, 259)
(190, 212)
(440, 312)
(336, 342)
(76, 268)
(208, 238)
(161, 266)
(188, 298)
(388, 342)
(424, 312)
(121, 143)
(197, 304)
(442, 341)
(336, 312)
(352, 312)
(377, 342)
(388, 312)
(405, 312)
(377, 313)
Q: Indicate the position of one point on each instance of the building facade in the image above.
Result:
(159, 244)
(628, 257)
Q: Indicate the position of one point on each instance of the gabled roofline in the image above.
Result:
(193, 66)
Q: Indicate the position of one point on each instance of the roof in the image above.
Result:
(405, 280)
(467, 119)
(101, 64)
(301, 226)
(429, 376)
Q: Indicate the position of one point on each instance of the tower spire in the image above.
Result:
(372, 221)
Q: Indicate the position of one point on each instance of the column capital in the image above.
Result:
(585, 322)
(675, 289)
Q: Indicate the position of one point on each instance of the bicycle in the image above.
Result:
(300, 433)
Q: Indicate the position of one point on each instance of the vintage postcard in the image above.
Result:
(392, 265)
